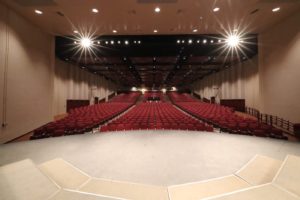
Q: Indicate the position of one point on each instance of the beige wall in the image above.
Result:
(36, 85)
(269, 82)
(29, 82)
(72, 82)
(237, 82)
(280, 69)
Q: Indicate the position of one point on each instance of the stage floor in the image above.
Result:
(151, 157)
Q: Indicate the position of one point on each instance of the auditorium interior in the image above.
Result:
(149, 99)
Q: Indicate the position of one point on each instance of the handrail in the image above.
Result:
(272, 120)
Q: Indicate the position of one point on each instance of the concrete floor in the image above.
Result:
(151, 157)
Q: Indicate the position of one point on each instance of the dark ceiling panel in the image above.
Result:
(155, 60)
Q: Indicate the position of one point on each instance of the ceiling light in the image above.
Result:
(98, 42)
(233, 40)
(216, 9)
(157, 9)
(126, 42)
(85, 42)
(39, 12)
(95, 10)
(75, 31)
(182, 41)
(212, 41)
(204, 41)
(219, 41)
(276, 9)
(119, 42)
(178, 41)
(112, 42)
(190, 41)
(75, 42)
(106, 42)
(155, 31)
(195, 30)
(115, 31)
(139, 42)
(198, 41)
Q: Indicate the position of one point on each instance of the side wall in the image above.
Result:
(71, 82)
(279, 65)
(34, 85)
(270, 82)
(27, 87)
(237, 82)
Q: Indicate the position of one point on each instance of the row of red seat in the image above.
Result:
(84, 119)
(130, 97)
(183, 97)
(226, 119)
(158, 95)
(157, 115)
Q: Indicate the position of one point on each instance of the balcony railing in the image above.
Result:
(272, 120)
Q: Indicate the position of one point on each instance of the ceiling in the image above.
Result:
(136, 17)
(158, 60)
(155, 61)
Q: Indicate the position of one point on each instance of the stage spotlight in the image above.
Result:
(85, 42)
(233, 40)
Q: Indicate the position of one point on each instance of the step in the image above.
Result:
(24, 181)
(257, 171)
(208, 188)
(68, 176)
(285, 185)
(262, 192)
(260, 170)
(64, 174)
(288, 177)
(126, 190)
(75, 195)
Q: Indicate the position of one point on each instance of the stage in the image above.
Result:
(151, 157)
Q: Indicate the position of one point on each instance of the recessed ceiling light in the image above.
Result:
(112, 42)
(139, 42)
(195, 30)
(276, 9)
(95, 10)
(198, 41)
(182, 41)
(39, 12)
(157, 9)
(98, 42)
(114, 31)
(190, 41)
(204, 41)
(119, 42)
(212, 41)
(75, 31)
(155, 31)
(178, 41)
(233, 40)
(126, 42)
(216, 9)
(85, 42)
